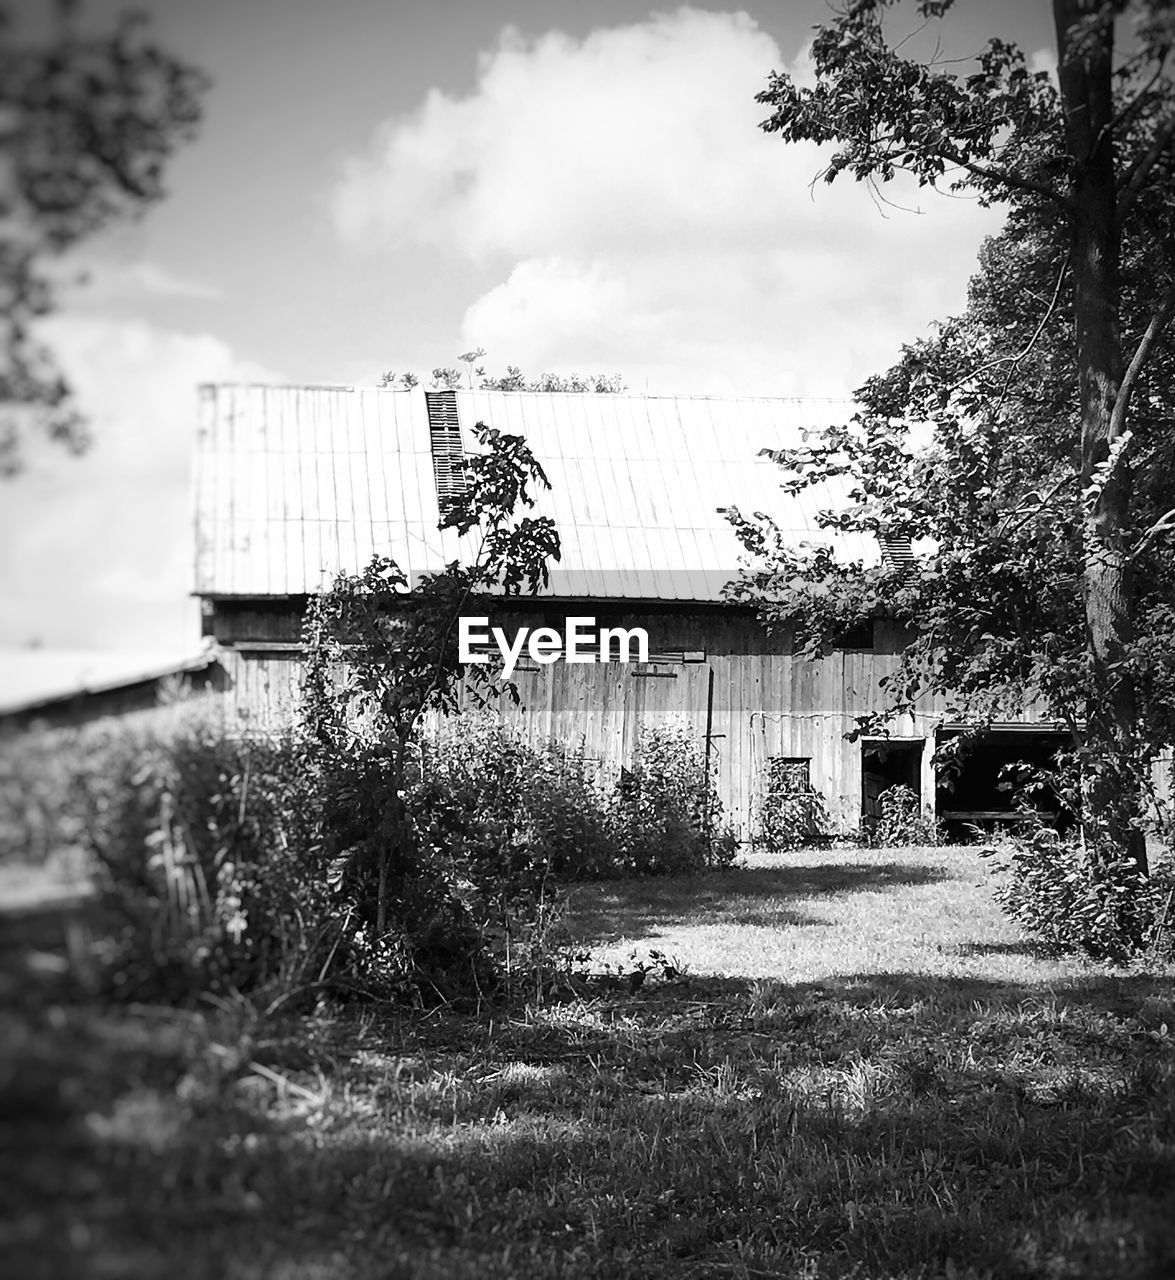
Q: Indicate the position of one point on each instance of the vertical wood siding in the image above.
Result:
(766, 702)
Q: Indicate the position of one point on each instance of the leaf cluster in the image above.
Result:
(383, 651)
(451, 378)
(888, 112)
(87, 124)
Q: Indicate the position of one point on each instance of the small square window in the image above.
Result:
(789, 775)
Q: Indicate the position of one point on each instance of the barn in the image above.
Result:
(295, 484)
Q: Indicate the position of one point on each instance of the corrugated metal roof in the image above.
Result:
(295, 484)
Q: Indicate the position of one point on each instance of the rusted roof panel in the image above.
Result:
(295, 484)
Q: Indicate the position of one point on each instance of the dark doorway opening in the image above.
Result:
(886, 763)
(984, 785)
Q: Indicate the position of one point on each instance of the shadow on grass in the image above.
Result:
(877, 1124)
(763, 896)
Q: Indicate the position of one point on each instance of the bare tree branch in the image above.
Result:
(1016, 359)
(1026, 513)
(1008, 178)
(1161, 525)
(1135, 104)
(1158, 323)
(1137, 174)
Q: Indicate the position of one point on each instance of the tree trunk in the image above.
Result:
(1113, 782)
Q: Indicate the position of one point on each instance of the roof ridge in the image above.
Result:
(228, 384)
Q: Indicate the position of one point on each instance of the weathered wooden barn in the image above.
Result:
(295, 484)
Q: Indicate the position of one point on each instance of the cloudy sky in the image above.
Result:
(383, 184)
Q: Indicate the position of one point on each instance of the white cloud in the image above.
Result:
(99, 547)
(152, 279)
(546, 304)
(636, 135)
(640, 219)
(95, 278)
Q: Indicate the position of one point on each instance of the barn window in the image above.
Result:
(448, 453)
(789, 774)
(789, 811)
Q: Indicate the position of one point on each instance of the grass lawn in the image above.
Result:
(817, 914)
(861, 1072)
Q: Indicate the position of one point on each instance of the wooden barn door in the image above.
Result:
(678, 694)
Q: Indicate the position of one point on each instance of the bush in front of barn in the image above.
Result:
(902, 823)
(1071, 902)
(666, 816)
(225, 864)
(504, 823)
(515, 808)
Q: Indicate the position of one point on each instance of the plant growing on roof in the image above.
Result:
(450, 378)
(382, 653)
(1047, 488)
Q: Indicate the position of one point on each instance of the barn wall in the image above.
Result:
(721, 675)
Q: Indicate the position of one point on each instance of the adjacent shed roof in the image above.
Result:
(36, 678)
(295, 484)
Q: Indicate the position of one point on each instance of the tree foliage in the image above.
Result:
(382, 652)
(87, 123)
(1046, 493)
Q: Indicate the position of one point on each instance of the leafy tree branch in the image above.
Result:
(1051, 443)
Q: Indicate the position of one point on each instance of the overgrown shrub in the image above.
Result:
(791, 812)
(228, 864)
(1069, 886)
(204, 851)
(35, 830)
(490, 824)
(902, 822)
(224, 864)
(666, 816)
(1072, 902)
(515, 814)
(510, 814)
